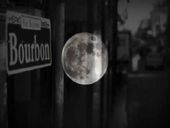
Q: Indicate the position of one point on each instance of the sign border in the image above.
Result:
(21, 70)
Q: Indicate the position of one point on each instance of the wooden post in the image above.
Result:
(56, 13)
(109, 34)
(3, 76)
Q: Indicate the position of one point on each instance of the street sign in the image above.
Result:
(28, 42)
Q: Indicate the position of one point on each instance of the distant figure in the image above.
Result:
(135, 62)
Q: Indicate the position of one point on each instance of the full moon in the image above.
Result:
(84, 58)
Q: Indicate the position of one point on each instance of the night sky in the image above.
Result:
(137, 10)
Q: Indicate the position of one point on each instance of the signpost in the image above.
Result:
(28, 42)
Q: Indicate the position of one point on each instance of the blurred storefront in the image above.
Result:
(147, 90)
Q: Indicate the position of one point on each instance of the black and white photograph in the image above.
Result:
(84, 63)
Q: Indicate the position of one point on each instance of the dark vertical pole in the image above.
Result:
(102, 17)
(106, 32)
(94, 26)
(109, 34)
(3, 99)
(3, 76)
(113, 60)
(56, 12)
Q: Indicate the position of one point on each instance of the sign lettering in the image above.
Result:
(29, 42)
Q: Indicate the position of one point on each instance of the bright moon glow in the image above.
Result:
(84, 58)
